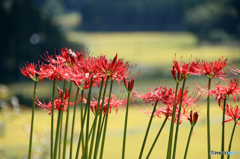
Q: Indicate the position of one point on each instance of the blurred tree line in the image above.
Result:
(25, 34)
(27, 29)
(212, 20)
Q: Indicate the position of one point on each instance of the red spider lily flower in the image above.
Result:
(65, 56)
(128, 84)
(216, 69)
(51, 58)
(52, 72)
(221, 92)
(232, 89)
(167, 112)
(187, 99)
(158, 94)
(232, 112)
(167, 96)
(203, 91)
(193, 118)
(30, 71)
(115, 102)
(176, 72)
(85, 70)
(70, 57)
(59, 104)
(108, 67)
(125, 73)
(185, 70)
(115, 69)
(235, 70)
(78, 79)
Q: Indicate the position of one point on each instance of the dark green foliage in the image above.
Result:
(18, 25)
(216, 21)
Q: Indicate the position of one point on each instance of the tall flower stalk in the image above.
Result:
(66, 124)
(87, 122)
(59, 128)
(234, 114)
(98, 135)
(32, 121)
(193, 120)
(185, 70)
(155, 141)
(213, 70)
(169, 149)
(106, 121)
(96, 119)
(230, 142)
(155, 95)
(30, 71)
(178, 119)
(129, 86)
(147, 131)
(223, 127)
(208, 118)
(73, 123)
(52, 118)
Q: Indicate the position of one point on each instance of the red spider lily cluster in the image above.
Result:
(185, 69)
(86, 71)
(80, 68)
(169, 100)
(217, 69)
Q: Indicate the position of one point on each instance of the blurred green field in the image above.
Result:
(153, 52)
(152, 49)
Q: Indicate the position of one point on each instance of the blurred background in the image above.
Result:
(146, 33)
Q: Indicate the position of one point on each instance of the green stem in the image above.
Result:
(82, 94)
(147, 131)
(223, 126)
(81, 132)
(159, 132)
(106, 120)
(59, 124)
(73, 122)
(95, 119)
(125, 128)
(178, 120)
(208, 119)
(102, 125)
(88, 119)
(52, 119)
(172, 126)
(230, 143)
(189, 137)
(66, 124)
(60, 136)
(100, 121)
(91, 130)
(32, 121)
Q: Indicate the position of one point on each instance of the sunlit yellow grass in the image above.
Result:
(16, 140)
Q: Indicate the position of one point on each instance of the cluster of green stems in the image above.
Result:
(90, 148)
